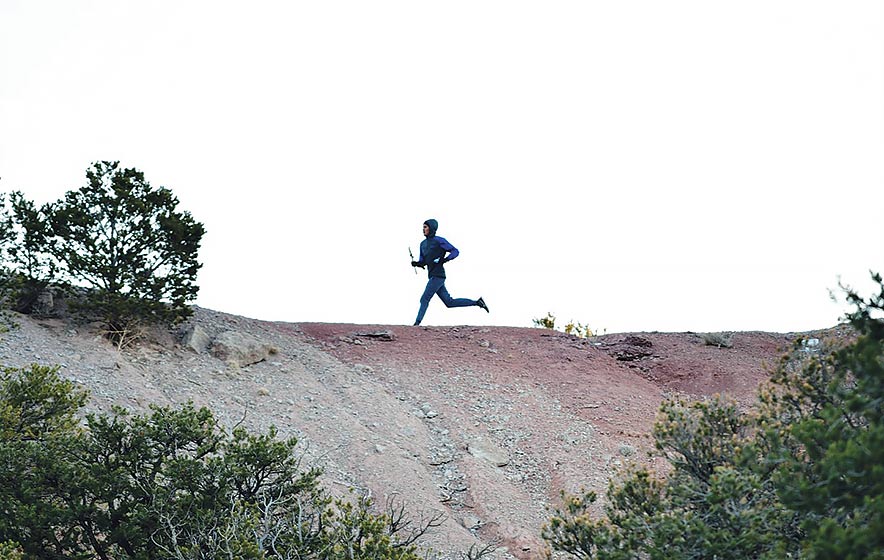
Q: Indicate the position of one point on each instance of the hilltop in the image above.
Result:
(483, 424)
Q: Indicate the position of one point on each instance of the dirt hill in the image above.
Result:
(484, 424)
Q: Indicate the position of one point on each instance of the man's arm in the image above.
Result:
(448, 248)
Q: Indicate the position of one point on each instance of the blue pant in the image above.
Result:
(437, 286)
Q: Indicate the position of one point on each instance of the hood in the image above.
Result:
(433, 225)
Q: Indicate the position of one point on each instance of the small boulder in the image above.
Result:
(240, 349)
(196, 339)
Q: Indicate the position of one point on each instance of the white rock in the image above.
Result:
(239, 349)
(482, 448)
(196, 339)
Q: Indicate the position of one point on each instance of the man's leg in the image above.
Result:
(454, 302)
(433, 286)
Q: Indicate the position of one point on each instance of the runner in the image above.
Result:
(435, 252)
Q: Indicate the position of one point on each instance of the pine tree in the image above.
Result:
(129, 245)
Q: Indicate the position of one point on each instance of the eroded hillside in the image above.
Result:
(483, 424)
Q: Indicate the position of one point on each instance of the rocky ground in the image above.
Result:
(485, 425)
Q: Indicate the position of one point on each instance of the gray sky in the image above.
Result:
(635, 166)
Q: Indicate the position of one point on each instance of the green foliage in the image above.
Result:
(832, 449)
(575, 328)
(169, 484)
(803, 476)
(127, 242)
(37, 427)
(10, 550)
(155, 484)
(28, 269)
(6, 237)
(712, 504)
(578, 329)
(548, 322)
(120, 239)
(36, 403)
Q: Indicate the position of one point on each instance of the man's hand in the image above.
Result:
(415, 263)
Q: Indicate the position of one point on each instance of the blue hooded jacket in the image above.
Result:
(433, 251)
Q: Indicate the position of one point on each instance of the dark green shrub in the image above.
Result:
(28, 268)
(169, 484)
(129, 245)
(713, 503)
(830, 439)
(803, 476)
(38, 429)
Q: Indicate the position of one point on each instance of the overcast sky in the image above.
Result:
(635, 166)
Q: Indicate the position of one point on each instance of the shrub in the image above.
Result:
(578, 329)
(830, 438)
(169, 484)
(719, 339)
(575, 328)
(128, 244)
(5, 228)
(5, 238)
(711, 505)
(801, 476)
(548, 322)
(37, 429)
(28, 268)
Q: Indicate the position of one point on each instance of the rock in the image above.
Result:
(427, 411)
(196, 339)
(240, 349)
(386, 335)
(810, 345)
(481, 448)
(441, 459)
(633, 340)
(46, 304)
(630, 349)
(470, 522)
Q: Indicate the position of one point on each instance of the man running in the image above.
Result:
(436, 251)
